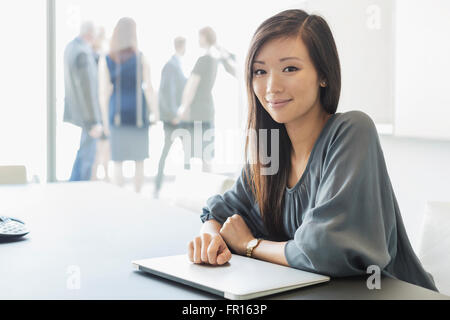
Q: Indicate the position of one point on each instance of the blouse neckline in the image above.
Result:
(324, 129)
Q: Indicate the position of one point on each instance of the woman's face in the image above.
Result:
(285, 80)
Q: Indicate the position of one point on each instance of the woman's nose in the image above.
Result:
(273, 84)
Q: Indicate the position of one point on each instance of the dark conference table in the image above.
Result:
(83, 237)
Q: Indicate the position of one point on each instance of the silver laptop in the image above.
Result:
(240, 278)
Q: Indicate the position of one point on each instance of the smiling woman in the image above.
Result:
(289, 65)
(275, 83)
(330, 208)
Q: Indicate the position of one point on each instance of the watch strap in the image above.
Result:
(250, 249)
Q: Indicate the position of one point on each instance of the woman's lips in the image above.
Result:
(279, 103)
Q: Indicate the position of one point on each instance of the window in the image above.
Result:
(157, 26)
(23, 86)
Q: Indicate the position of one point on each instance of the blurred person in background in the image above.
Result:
(127, 91)
(171, 89)
(81, 104)
(97, 45)
(102, 155)
(197, 107)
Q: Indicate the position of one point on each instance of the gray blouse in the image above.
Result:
(342, 215)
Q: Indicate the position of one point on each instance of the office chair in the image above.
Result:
(191, 189)
(13, 175)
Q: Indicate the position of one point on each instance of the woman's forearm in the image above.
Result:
(149, 92)
(104, 92)
(271, 251)
(211, 227)
(188, 94)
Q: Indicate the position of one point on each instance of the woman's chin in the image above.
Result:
(280, 118)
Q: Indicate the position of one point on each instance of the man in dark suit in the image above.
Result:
(170, 94)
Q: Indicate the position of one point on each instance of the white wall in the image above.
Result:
(419, 171)
(364, 34)
(422, 107)
(418, 155)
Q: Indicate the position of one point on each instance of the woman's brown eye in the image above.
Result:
(292, 68)
(258, 72)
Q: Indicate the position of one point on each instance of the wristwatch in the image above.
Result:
(252, 244)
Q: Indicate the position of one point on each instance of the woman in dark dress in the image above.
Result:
(125, 74)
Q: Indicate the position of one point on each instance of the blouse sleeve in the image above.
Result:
(238, 199)
(353, 219)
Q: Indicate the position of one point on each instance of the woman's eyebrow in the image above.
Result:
(281, 60)
(288, 58)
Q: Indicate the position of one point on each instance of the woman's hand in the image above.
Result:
(210, 249)
(176, 121)
(96, 131)
(236, 234)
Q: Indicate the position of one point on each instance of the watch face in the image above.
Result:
(253, 243)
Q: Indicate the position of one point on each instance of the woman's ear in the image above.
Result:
(323, 83)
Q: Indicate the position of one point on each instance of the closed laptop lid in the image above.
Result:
(240, 278)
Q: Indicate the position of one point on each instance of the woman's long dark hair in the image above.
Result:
(314, 31)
